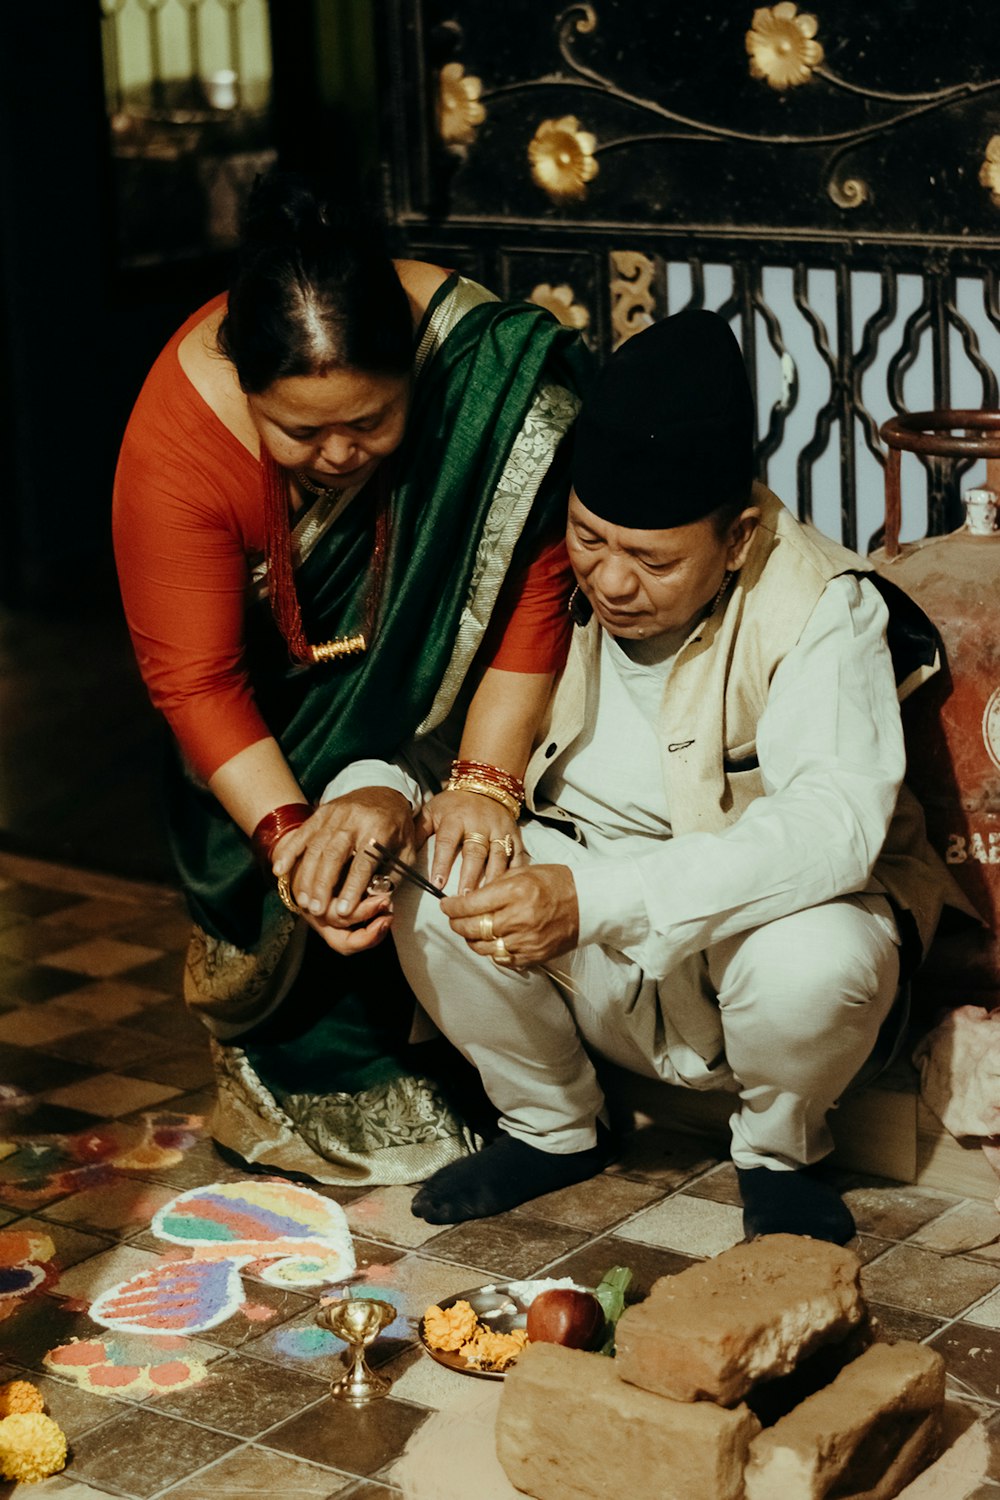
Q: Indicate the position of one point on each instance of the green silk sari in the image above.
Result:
(319, 1085)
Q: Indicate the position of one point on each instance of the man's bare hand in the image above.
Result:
(534, 911)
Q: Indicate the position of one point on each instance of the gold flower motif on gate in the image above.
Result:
(459, 109)
(562, 157)
(782, 46)
(989, 172)
(559, 300)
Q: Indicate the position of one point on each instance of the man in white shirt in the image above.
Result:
(722, 861)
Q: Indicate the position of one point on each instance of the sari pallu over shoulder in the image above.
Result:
(479, 475)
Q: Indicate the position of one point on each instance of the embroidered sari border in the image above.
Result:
(549, 417)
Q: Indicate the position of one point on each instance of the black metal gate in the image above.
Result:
(829, 182)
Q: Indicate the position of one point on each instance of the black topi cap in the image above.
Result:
(666, 434)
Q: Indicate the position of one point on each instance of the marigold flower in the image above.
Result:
(562, 157)
(448, 1329)
(495, 1351)
(32, 1447)
(782, 47)
(20, 1395)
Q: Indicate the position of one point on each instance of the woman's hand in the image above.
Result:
(330, 863)
(372, 929)
(479, 829)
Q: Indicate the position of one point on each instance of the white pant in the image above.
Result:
(785, 1015)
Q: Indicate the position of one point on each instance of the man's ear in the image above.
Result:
(740, 536)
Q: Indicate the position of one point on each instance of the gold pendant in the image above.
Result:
(341, 645)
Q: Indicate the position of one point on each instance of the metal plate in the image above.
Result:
(500, 1308)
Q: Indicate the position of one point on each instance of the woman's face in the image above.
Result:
(333, 428)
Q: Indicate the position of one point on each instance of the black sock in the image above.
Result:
(792, 1203)
(503, 1175)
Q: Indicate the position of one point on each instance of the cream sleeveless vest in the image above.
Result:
(717, 691)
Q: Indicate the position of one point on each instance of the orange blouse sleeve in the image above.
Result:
(531, 626)
(186, 499)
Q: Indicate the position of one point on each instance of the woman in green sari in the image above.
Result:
(333, 479)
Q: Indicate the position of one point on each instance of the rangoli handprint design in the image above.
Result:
(291, 1235)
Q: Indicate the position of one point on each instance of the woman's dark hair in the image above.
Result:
(314, 290)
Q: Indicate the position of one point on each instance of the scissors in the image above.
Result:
(410, 873)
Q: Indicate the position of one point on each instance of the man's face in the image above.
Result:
(641, 583)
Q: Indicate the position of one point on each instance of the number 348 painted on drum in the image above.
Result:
(984, 848)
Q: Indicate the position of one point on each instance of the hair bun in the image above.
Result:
(287, 208)
(314, 289)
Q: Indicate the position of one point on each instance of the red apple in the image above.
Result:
(564, 1315)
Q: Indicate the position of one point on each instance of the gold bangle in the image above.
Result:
(285, 892)
(478, 770)
(483, 789)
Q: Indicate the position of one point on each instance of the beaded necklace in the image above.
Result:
(281, 591)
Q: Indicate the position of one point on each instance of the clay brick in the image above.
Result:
(863, 1438)
(750, 1314)
(772, 1399)
(569, 1429)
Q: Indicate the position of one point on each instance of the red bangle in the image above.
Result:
(275, 824)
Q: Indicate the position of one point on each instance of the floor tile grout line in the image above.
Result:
(963, 1251)
(612, 1228)
(114, 1494)
(175, 1484)
(937, 1255)
(240, 1437)
(428, 1250)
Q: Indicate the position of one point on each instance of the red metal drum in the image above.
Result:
(952, 723)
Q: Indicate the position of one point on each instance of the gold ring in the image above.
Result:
(285, 892)
(500, 956)
(486, 929)
(380, 885)
(506, 844)
(476, 838)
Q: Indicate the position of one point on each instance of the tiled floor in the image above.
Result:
(104, 1085)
